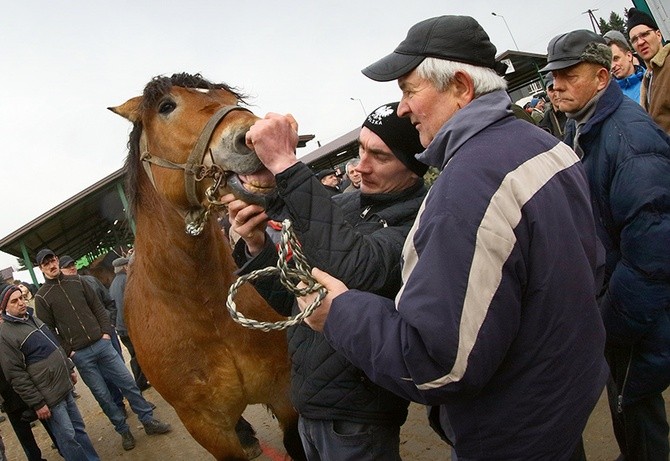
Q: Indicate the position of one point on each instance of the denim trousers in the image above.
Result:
(338, 440)
(117, 395)
(99, 361)
(68, 428)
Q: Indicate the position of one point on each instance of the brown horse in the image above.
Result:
(203, 363)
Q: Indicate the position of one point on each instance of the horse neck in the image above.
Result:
(163, 245)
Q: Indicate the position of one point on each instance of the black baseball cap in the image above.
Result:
(43, 254)
(453, 38)
(65, 261)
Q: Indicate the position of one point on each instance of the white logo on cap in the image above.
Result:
(377, 117)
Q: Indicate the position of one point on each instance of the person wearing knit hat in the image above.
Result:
(477, 292)
(627, 161)
(43, 376)
(358, 236)
(647, 40)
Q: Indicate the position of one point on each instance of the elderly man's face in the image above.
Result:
(354, 176)
(427, 108)
(646, 41)
(381, 171)
(578, 84)
(622, 62)
(330, 180)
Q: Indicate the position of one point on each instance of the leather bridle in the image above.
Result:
(194, 171)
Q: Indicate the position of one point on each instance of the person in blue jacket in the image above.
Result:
(496, 324)
(627, 160)
(627, 75)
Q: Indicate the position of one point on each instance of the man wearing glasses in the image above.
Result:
(647, 41)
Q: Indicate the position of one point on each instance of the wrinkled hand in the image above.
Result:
(335, 288)
(274, 139)
(249, 221)
(43, 413)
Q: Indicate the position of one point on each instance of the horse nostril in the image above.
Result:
(240, 143)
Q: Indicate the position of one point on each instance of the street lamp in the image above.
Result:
(365, 112)
(508, 30)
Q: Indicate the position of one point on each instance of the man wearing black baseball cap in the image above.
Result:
(627, 160)
(478, 293)
(358, 236)
(648, 42)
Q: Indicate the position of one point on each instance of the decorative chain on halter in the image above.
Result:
(290, 277)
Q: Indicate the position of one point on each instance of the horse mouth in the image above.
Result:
(256, 189)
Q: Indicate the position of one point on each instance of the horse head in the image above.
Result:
(189, 135)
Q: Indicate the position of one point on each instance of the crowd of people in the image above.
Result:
(71, 327)
(533, 275)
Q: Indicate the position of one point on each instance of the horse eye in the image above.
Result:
(166, 107)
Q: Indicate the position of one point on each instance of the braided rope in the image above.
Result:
(289, 277)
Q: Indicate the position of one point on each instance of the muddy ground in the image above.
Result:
(418, 443)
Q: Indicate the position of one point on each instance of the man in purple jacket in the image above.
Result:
(496, 324)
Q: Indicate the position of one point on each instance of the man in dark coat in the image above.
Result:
(627, 160)
(358, 235)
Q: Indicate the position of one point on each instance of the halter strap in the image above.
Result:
(195, 160)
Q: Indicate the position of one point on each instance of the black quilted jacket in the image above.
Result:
(358, 239)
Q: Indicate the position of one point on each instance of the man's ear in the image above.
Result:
(603, 77)
(463, 88)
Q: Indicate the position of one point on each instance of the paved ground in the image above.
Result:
(418, 443)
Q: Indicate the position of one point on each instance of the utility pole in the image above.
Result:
(594, 22)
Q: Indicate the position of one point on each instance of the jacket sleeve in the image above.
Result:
(107, 301)
(639, 286)
(328, 241)
(13, 366)
(423, 347)
(97, 307)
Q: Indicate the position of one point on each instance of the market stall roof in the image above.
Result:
(86, 224)
(524, 69)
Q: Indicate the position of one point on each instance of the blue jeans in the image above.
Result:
(117, 395)
(68, 428)
(99, 361)
(337, 440)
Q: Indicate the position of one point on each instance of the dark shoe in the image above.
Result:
(128, 441)
(144, 387)
(152, 405)
(154, 427)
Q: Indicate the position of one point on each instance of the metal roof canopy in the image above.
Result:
(84, 225)
(526, 68)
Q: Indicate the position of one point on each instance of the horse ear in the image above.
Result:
(129, 109)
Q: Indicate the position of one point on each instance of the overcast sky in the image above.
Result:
(64, 62)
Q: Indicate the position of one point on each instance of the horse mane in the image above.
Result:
(158, 87)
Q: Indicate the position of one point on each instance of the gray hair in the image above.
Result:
(441, 72)
(352, 162)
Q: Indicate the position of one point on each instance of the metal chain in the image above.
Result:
(290, 278)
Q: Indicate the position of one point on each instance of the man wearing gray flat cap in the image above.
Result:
(487, 328)
(627, 160)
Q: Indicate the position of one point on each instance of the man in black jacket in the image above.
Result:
(359, 235)
(71, 309)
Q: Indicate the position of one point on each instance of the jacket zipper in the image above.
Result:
(75, 310)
